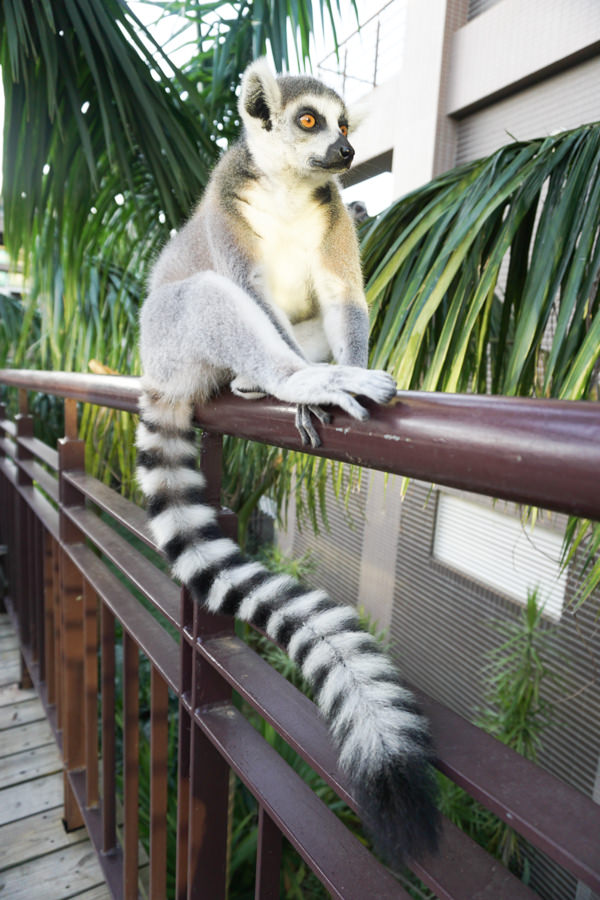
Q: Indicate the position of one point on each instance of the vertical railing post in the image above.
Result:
(159, 755)
(109, 753)
(58, 655)
(90, 627)
(184, 748)
(39, 595)
(49, 626)
(71, 456)
(268, 858)
(203, 828)
(25, 584)
(131, 762)
(4, 518)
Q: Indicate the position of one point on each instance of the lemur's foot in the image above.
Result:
(322, 385)
(305, 426)
(243, 387)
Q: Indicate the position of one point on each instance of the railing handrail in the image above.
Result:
(468, 441)
(543, 453)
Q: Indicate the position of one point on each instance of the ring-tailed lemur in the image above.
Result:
(259, 288)
(358, 211)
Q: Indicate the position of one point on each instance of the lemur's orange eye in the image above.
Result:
(344, 130)
(308, 120)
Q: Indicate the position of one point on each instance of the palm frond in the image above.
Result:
(488, 278)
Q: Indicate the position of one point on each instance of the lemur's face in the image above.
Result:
(315, 133)
(295, 124)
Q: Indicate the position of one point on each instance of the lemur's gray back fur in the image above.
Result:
(258, 290)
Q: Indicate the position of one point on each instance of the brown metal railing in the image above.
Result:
(73, 577)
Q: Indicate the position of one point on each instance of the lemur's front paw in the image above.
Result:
(375, 384)
(323, 385)
(305, 426)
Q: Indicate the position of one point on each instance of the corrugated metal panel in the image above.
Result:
(564, 101)
(476, 7)
(442, 629)
(336, 553)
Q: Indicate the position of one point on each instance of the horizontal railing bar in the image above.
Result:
(41, 450)
(154, 584)
(150, 636)
(115, 391)
(296, 719)
(520, 792)
(289, 711)
(8, 447)
(8, 427)
(41, 475)
(43, 509)
(38, 503)
(9, 468)
(462, 870)
(343, 864)
(505, 447)
(124, 511)
(509, 448)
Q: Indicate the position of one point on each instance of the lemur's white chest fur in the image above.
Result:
(290, 227)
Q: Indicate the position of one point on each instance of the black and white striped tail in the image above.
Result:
(382, 739)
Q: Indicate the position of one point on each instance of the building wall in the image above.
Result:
(490, 68)
(472, 74)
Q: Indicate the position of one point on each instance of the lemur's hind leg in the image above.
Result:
(241, 387)
(214, 326)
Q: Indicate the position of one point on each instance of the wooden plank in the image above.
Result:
(98, 893)
(35, 836)
(31, 764)
(12, 693)
(8, 641)
(14, 714)
(10, 668)
(25, 737)
(43, 794)
(60, 875)
(7, 655)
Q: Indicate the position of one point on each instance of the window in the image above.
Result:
(493, 547)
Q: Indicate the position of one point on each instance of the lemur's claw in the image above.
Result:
(322, 415)
(304, 424)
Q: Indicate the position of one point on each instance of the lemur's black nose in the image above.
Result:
(339, 154)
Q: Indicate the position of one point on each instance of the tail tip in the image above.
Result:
(398, 808)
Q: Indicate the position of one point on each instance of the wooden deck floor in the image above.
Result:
(37, 857)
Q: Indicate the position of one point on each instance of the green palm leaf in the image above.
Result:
(435, 264)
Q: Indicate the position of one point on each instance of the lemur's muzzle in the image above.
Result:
(339, 155)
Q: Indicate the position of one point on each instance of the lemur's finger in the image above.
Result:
(377, 386)
(350, 405)
(305, 427)
(319, 413)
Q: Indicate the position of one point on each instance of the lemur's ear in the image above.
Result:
(358, 112)
(260, 99)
